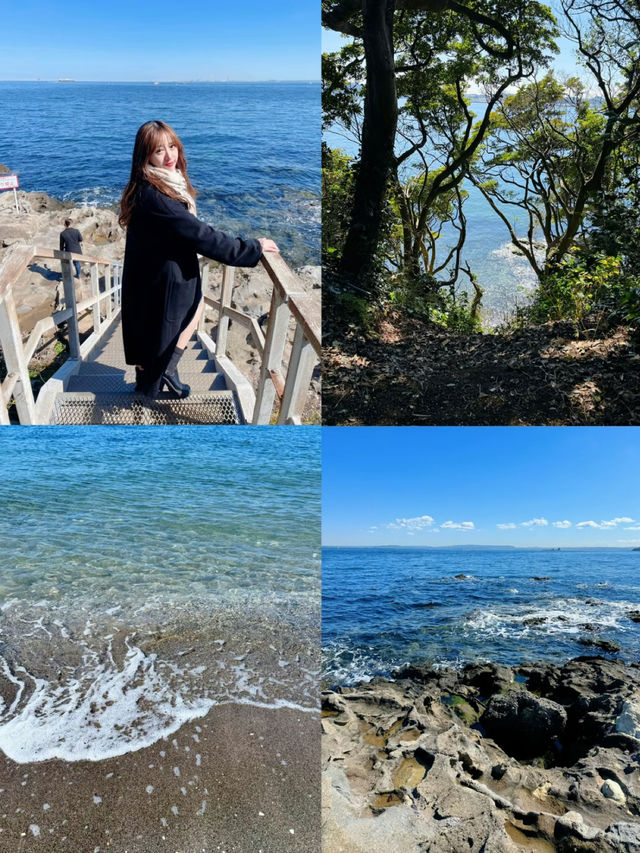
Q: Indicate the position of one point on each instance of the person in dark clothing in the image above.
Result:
(161, 285)
(71, 241)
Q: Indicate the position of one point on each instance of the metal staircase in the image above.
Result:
(102, 391)
(95, 386)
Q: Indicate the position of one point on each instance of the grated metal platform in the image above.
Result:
(217, 407)
(102, 391)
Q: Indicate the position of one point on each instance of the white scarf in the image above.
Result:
(174, 179)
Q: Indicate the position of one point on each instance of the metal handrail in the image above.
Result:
(17, 383)
(289, 383)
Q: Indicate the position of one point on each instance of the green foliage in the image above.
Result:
(337, 200)
(579, 285)
(457, 314)
(341, 73)
(438, 54)
(357, 312)
(428, 299)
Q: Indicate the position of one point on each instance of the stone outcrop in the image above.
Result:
(532, 759)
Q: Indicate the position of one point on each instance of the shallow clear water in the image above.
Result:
(147, 574)
(253, 148)
(389, 606)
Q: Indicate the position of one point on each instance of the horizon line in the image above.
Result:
(160, 82)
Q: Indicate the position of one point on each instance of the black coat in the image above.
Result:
(70, 241)
(161, 286)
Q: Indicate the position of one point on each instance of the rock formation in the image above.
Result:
(535, 759)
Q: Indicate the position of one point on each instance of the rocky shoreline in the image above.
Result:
(534, 758)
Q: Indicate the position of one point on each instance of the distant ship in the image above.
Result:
(66, 80)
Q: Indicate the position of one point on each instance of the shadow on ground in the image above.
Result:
(416, 373)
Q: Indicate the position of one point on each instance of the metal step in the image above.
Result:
(99, 379)
(213, 407)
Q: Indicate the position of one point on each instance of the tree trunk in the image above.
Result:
(378, 137)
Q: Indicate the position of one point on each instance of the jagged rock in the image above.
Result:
(405, 773)
(489, 678)
(524, 725)
(628, 721)
(603, 645)
(624, 837)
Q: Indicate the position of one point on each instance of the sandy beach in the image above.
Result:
(240, 779)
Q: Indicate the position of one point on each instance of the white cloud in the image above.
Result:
(535, 522)
(606, 525)
(561, 524)
(635, 527)
(420, 522)
(455, 525)
(509, 526)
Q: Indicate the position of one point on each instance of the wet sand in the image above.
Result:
(240, 779)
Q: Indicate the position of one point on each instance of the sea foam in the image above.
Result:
(116, 709)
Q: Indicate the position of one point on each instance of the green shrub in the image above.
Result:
(578, 285)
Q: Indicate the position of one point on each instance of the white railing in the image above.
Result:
(290, 382)
(104, 304)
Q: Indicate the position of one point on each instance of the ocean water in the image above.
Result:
(507, 279)
(384, 607)
(253, 148)
(146, 577)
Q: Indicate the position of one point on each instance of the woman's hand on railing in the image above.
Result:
(268, 245)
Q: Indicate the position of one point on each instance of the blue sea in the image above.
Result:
(253, 148)
(384, 607)
(146, 577)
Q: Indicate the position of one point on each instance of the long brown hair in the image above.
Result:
(147, 139)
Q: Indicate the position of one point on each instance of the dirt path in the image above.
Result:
(416, 373)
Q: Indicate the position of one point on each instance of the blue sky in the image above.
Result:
(160, 40)
(522, 486)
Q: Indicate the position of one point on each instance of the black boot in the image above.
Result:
(144, 386)
(170, 376)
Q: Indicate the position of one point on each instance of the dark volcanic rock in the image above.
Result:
(489, 678)
(524, 725)
(603, 645)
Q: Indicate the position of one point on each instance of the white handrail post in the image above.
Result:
(117, 286)
(228, 274)
(70, 302)
(4, 411)
(107, 288)
(95, 293)
(272, 358)
(301, 364)
(205, 285)
(15, 361)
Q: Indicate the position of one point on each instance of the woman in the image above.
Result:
(161, 286)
